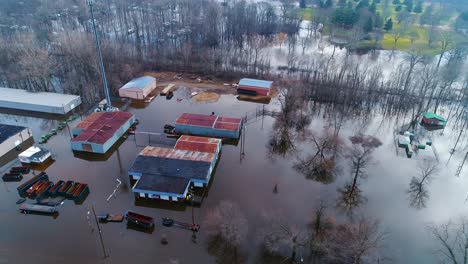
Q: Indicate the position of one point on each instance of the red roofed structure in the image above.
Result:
(99, 131)
(208, 125)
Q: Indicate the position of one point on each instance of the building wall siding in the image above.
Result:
(205, 131)
(10, 143)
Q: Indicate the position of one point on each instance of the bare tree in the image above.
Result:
(452, 240)
(281, 238)
(417, 191)
(360, 154)
(356, 243)
(228, 228)
(321, 165)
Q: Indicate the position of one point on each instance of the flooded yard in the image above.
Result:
(248, 180)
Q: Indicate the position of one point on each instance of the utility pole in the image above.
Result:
(98, 48)
(100, 233)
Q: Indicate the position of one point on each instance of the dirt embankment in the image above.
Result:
(208, 88)
(205, 83)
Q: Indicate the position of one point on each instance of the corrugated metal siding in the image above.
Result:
(196, 120)
(257, 91)
(256, 83)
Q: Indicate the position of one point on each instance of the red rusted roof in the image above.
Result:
(177, 154)
(213, 121)
(196, 120)
(227, 126)
(88, 121)
(100, 127)
(199, 144)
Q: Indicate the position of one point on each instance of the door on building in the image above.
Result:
(87, 147)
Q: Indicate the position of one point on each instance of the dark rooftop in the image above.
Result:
(159, 183)
(189, 169)
(6, 131)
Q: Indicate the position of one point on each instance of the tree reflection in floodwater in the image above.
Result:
(417, 191)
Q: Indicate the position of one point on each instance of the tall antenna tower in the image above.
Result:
(101, 64)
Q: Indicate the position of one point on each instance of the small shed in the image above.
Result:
(138, 88)
(208, 125)
(11, 137)
(35, 155)
(99, 131)
(254, 87)
(166, 173)
(431, 119)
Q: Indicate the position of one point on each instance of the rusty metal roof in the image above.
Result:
(100, 127)
(213, 121)
(200, 144)
(177, 154)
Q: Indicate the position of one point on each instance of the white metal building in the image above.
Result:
(53, 103)
(138, 88)
(12, 136)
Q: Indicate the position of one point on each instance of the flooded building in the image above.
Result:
(138, 88)
(208, 125)
(35, 155)
(99, 131)
(11, 137)
(167, 173)
(431, 119)
(53, 103)
(254, 87)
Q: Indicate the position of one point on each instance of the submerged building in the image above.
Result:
(12, 136)
(254, 87)
(99, 131)
(53, 103)
(167, 173)
(138, 88)
(431, 119)
(208, 126)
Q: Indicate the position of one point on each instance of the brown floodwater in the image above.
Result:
(72, 237)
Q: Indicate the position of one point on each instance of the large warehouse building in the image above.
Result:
(208, 125)
(99, 132)
(138, 88)
(53, 103)
(166, 174)
(254, 87)
(12, 136)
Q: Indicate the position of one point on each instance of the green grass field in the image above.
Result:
(416, 37)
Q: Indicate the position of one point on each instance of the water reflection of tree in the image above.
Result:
(452, 239)
(292, 120)
(361, 156)
(321, 165)
(227, 229)
(281, 241)
(418, 193)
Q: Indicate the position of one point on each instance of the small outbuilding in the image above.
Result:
(431, 119)
(99, 131)
(11, 137)
(167, 174)
(208, 126)
(138, 88)
(254, 87)
(35, 155)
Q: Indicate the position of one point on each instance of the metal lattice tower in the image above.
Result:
(101, 64)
